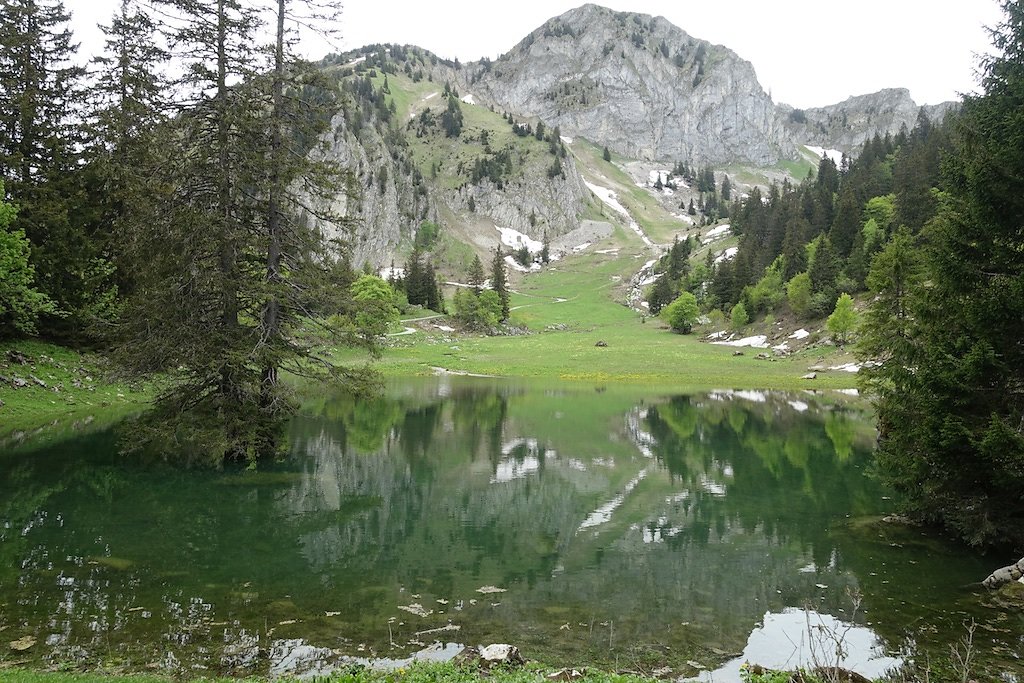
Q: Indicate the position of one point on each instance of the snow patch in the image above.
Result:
(468, 99)
(519, 267)
(717, 233)
(515, 239)
(834, 154)
(800, 334)
(799, 406)
(727, 255)
(684, 218)
(847, 367)
(387, 272)
(580, 247)
(567, 140)
(758, 341)
(608, 197)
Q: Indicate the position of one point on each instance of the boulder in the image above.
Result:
(1004, 575)
(601, 344)
(487, 656)
(810, 375)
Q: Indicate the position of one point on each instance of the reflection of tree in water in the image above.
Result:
(440, 493)
(763, 465)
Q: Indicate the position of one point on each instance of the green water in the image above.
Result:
(586, 526)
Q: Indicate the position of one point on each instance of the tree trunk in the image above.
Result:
(272, 308)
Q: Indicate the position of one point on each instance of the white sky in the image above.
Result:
(806, 52)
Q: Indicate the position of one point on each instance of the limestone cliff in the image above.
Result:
(639, 85)
(846, 126)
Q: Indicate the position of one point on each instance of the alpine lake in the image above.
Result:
(616, 527)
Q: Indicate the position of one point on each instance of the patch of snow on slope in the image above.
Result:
(468, 99)
(758, 341)
(834, 154)
(800, 334)
(608, 197)
(517, 266)
(566, 140)
(717, 233)
(683, 217)
(515, 239)
(727, 254)
(387, 272)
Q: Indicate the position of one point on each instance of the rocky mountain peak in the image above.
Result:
(638, 84)
(849, 124)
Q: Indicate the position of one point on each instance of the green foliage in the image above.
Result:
(881, 210)
(843, 320)
(477, 311)
(499, 282)
(452, 119)
(798, 294)
(20, 302)
(375, 306)
(476, 274)
(738, 317)
(949, 396)
(769, 292)
(427, 234)
(682, 313)
(662, 294)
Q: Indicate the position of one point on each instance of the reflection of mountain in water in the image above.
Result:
(619, 526)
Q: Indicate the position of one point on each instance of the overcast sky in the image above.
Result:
(806, 52)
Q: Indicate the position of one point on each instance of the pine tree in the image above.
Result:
(41, 103)
(499, 283)
(951, 401)
(224, 265)
(476, 275)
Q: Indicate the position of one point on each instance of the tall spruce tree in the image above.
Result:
(499, 282)
(41, 103)
(951, 400)
(226, 250)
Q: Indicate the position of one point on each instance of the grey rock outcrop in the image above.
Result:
(384, 206)
(639, 85)
(846, 126)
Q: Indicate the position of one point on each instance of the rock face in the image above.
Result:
(639, 85)
(846, 126)
(383, 206)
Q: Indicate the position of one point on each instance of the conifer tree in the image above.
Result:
(476, 275)
(224, 265)
(499, 283)
(951, 400)
(41, 103)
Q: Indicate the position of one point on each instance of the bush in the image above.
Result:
(682, 313)
(478, 311)
(843, 320)
(798, 294)
(738, 316)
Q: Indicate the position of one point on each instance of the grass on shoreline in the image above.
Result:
(446, 672)
(72, 387)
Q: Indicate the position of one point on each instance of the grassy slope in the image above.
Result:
(62, 369)
(641, 350)
(638, 351)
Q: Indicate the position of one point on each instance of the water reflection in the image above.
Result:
(604, 527)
